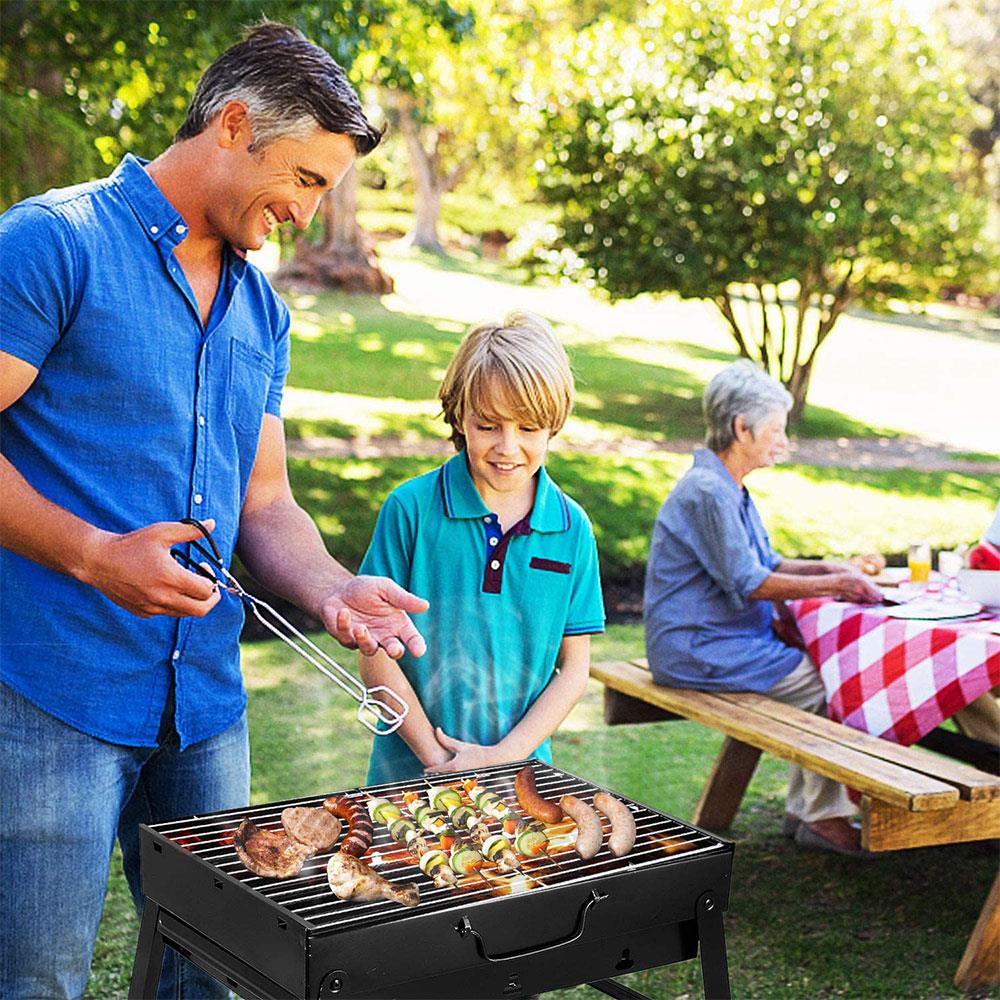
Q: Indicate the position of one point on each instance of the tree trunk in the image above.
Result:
(424, 170)
(345, 256)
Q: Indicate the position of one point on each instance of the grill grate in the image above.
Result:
(307, 896)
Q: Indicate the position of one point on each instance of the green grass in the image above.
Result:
(809, 511)
(370, 366)
(800, 924)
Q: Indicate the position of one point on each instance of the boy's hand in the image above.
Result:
(371, 611)
(467, 756)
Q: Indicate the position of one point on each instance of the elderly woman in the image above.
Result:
(712, 576)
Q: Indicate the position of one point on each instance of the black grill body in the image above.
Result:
(581, 923)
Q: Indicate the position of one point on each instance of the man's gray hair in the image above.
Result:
(740, 390)
(289, 86)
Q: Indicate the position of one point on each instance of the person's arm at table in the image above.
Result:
(282, 548)
(843, 584)
(134, 570)
(812, 567)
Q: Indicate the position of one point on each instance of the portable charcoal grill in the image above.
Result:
(562, 922)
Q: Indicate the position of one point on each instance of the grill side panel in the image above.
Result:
(265, 936)
(647, 919)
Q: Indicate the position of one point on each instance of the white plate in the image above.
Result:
(933, 610)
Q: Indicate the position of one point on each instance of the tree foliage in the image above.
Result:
(739, 152)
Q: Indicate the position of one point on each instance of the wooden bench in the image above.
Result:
(910, 797)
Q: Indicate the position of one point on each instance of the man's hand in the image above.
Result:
(467, 756)
(373, 611)
(137, 572)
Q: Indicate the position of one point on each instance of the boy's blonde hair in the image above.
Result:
(518, 369)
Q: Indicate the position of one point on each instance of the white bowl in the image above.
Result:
(981, 585)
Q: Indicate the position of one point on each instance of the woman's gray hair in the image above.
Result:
(740, 390)
(289, 86)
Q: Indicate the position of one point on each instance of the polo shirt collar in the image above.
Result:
(705, 458)
(462, 500)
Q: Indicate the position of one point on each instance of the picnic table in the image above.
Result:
(901, 679)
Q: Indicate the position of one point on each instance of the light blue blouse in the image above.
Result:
(708, 553)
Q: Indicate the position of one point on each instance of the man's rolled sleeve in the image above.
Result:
(282, 348)
(724, 550)
(38, 282)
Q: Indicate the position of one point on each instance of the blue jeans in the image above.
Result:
(66, 796)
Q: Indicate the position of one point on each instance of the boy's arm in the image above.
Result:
(416, 729)
(541, 720)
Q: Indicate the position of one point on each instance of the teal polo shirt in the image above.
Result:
(500, 603)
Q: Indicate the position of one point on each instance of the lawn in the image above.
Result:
(800, 925)
(372, 366)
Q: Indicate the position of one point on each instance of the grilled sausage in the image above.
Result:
(360, 831)
(531, 802)
(622, 838)
(588, 825)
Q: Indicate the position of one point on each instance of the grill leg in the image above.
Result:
(712, 945)
(148, 955)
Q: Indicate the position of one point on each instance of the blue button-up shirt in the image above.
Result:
(139, 414)
(708, 553)
(500, 603)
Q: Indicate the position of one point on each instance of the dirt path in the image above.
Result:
(848, 453)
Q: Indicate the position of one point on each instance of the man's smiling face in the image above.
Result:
(281, 183)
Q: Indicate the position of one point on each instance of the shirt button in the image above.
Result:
(181, 229)
(198, 498)
(154, 229)
(493, 541)
(487, 519)
(176, 655)
(201, 420)
(495, 564)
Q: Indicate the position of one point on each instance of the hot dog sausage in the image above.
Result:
(360, 831)
(531, 802)
(588, 825)
(622, 838)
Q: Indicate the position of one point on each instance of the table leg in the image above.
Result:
(728, 781)
(148, 955)
(980, 965)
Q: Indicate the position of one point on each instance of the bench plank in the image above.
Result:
(972, 783)
(866, 773)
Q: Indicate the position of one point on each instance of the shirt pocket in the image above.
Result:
(249, 380)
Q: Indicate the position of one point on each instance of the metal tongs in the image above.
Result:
(376, 711)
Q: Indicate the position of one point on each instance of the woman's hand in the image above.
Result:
(853, 587)
(466, 756)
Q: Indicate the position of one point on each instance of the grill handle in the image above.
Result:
(464, 928)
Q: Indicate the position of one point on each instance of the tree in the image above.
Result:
(744, 154)
(81, 85)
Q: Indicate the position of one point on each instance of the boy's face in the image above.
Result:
(504, 454)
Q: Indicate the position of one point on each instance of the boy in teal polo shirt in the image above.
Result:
(506, 559)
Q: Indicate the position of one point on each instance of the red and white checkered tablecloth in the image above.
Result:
(896, 678)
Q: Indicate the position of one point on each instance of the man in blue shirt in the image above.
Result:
(142, 361)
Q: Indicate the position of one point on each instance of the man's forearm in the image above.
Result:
(40, 530)
(282, 548)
